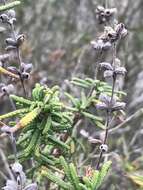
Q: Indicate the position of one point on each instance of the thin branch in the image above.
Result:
(133, 117)
(3, 175)
(108, 116)
(6, 165)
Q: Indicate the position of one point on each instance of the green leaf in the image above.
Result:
(84, 101)
(83, 187)
(65, 167)
(87, 182)
(82, 81)
(72, 99)
(57, 180)
(103, 173)
(14, 113)
(47, 125)
(95, 179)
(57, 142)
(21, 99)
(91, 116)
(99, 124)
(9, 5)
(136, 178)
(74, 176)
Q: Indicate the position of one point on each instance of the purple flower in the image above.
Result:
(20, 181)
(111, 70)
(11, 185)
(104, 15)
(109, 105)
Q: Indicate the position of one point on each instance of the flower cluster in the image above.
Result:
(19, 182)
(23, 71)
(13, 55)
(111, 70)
(108, 105)
(6, 89)
(109, 36)
(108, 40)
(8, 17)
(104, 15)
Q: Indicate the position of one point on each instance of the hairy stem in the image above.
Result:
(108, 114)
(19, 60)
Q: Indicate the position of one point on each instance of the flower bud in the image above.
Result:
(26, 67)
(108, 74)
(11, 13)
(17, 168)
(5, 129)
(25, 75)
(104, 147)
(20, 39)
(106, 65)
(4, 18)
(7, 89)
(13, 70)
(10, 41)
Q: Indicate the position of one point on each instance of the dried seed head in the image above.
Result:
(104, 147)
(104, 15)
(17, 168)
(20, 39)
(4, 18)
(9, 48)
(105, 98)
(10, 185)
(121, 30)
(124, 33)
(13, 70)
(11, 21)
(26, 67)
(106, 46)
(10, 42)
(106, 65)
(7, 89)
(101, 106)
(6, 129)
(108, 74)
(110, 12)
(117, 62)
(99, 9)
(100, 45)
(4, 57)
(11, 13)
(120, 71)
(25, 75)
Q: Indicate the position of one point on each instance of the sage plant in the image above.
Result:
(47, 122)
(113, 33)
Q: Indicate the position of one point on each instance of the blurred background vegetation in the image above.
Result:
(58, 37)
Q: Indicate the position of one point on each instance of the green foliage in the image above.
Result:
(74, 181)
(45, 119)
(136, 178)
(9, 5)
(14, 113)
(86, 100)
